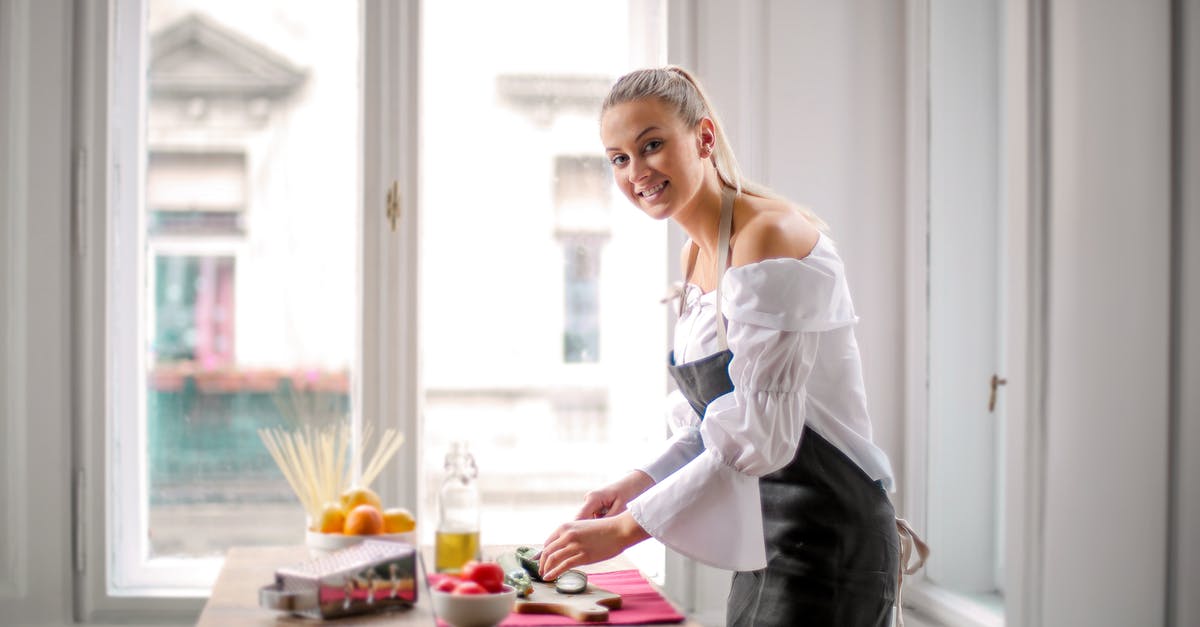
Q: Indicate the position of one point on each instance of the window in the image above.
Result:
(248, 268)
(582, 188)
(581, 288)
(246, 245)
(541, 327)
(960, 482)
(198, 193)
(193, 312)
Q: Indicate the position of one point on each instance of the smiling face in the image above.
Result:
(658, 162)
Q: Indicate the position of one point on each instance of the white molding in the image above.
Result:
(14, 49)
(916, 315)
(1024, 189)
(124, 158)
(1184, 606)
(106, 82)
(35, 363)
(388, 278)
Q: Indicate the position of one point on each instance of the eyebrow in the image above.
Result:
(639, 136)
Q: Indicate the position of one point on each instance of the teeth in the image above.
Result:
(653, 190)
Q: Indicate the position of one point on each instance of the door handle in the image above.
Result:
(996, 382)
(393, 204)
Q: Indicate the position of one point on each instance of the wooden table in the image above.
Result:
(234, 599)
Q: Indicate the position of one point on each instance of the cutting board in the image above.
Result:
(589, 606)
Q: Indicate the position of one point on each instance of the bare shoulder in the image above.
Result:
(772, 229)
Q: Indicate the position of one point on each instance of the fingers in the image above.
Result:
(595, 505)
(563, 566)
(551, 550)
(567, 547)
(592, 508)
(600, 505)
(578, 543)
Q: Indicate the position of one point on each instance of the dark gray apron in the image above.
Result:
(830, 530)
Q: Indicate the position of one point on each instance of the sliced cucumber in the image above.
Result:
(571, 582)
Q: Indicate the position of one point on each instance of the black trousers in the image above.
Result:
(832, 548)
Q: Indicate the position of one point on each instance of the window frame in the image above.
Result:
(110, 160)
(1023, 181)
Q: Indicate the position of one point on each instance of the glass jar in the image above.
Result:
(457, 537)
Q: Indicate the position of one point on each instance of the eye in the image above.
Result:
(618, 160)
(652, 145)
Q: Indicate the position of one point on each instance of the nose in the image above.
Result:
(637, 170)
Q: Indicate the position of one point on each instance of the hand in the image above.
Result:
(613, 498)
(581, 542)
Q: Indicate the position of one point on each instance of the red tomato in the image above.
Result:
(446, 584)
(469, 587)
(487, 574)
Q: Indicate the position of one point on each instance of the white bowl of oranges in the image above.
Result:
(357, 515)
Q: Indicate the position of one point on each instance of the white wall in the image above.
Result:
(812, 96)
(833, 139)
(35, 365)
(1106, 413)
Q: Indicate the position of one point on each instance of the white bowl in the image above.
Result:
(474, 610)
(323, 543)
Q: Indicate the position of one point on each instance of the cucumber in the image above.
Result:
(571, 582)
(515, 574)
(529, 559)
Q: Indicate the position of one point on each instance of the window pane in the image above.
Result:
(249, 220)
(966, 460)
(543, 338)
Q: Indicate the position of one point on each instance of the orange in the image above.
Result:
(353, 497)
(333, 519)
(398, 520)
(364, 520)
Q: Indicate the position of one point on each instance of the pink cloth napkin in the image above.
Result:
(640, 604)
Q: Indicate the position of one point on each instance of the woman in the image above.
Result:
(771, 471)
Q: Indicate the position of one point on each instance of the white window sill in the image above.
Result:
(938, 606)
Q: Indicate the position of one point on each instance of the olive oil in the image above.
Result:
(452, 550)
(457, 538)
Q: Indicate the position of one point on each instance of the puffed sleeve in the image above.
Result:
(777, 310)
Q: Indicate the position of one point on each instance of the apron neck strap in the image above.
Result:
(723, 256)
(723, 232)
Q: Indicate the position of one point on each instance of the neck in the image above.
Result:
(701, 218)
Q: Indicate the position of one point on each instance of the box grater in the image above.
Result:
(371, 576)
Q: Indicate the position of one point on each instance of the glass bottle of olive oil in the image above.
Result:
(457, 538)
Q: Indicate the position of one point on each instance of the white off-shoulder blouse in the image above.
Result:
(795, 363)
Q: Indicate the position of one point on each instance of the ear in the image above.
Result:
(706, 135)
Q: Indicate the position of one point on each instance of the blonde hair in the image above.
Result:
(678, 88)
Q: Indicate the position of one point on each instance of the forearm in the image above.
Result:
(629, 531)
(635, 483)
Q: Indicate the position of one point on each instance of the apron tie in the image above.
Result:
(908, 541)
(675, 290)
